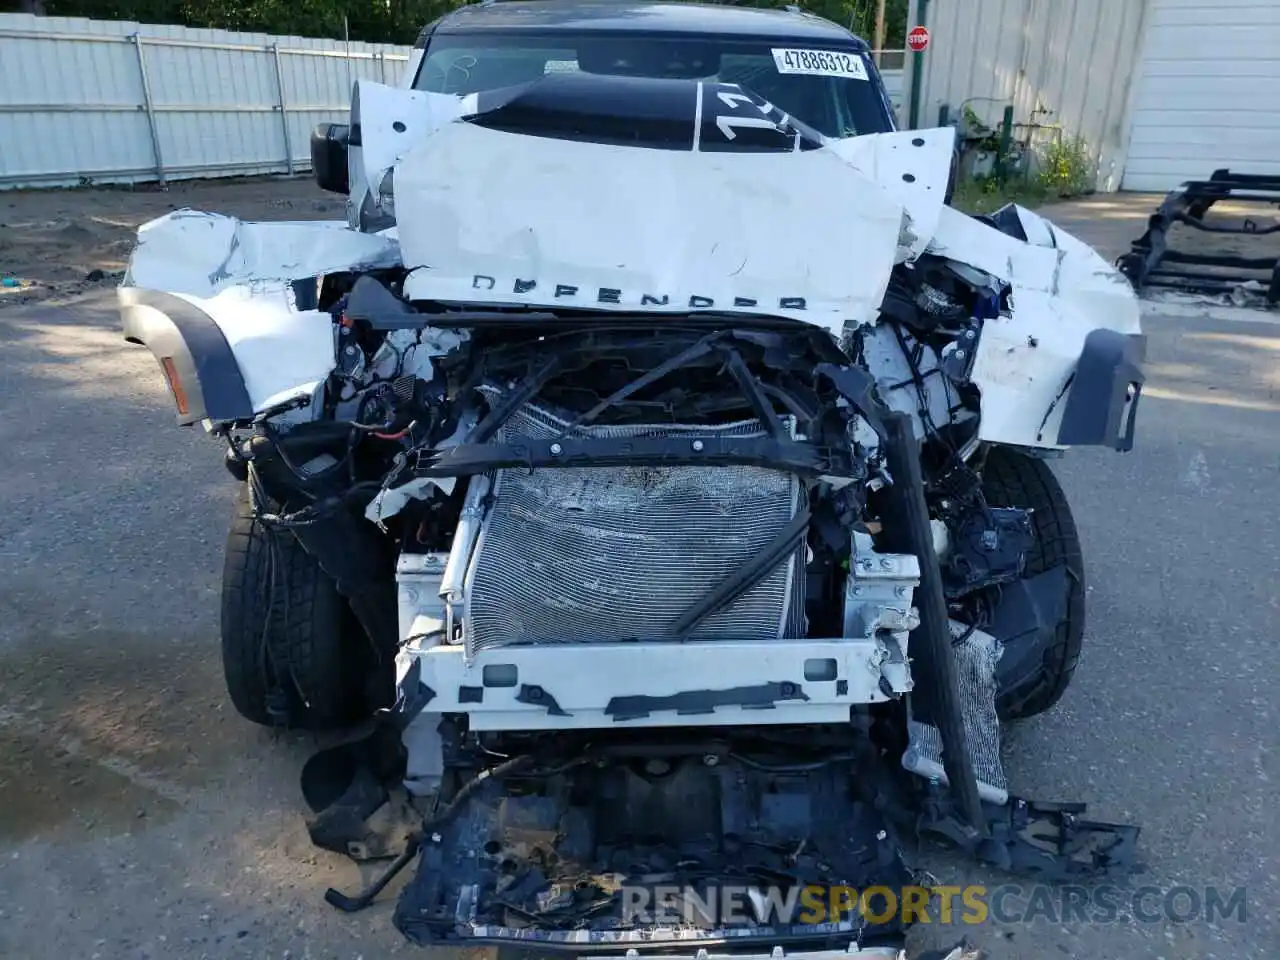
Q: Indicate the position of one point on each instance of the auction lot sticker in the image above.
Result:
(820, 63)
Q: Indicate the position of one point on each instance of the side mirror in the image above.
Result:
(329, 157)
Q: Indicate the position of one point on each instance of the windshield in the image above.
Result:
(829, 89)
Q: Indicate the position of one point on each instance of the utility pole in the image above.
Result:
(919, 16)
(879, 47)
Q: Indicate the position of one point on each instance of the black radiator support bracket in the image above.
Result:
(936, 699)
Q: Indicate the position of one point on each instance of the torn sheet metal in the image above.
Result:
(390, 502)
(411, 352)
(392, 122)
(201, 254)
(488, 216)
(244, 276)
(913, 168)
(1054, 262)
(1038, 230)
(282, 352)
(1061, 289)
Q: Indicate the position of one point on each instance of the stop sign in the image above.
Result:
(918, 39)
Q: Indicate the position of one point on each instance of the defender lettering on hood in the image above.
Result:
(569, 294)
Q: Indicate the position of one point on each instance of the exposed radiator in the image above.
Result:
(584, 555)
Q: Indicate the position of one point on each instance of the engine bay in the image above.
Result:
(423, 408)
(572, 513)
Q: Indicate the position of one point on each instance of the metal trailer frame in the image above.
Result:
(1151, 262)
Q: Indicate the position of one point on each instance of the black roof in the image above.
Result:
(644, 16)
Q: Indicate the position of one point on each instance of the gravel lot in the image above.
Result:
(142, 818)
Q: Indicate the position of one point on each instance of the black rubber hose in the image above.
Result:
(746, 576)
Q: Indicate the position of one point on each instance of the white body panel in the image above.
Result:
(584, 677)
(912, 168)
(1061, 290)
(241, 274)
(282, 352)
(392, 122)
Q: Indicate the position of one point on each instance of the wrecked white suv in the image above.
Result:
(660, 464)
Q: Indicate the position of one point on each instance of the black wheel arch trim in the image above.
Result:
(1108, 378)
(176, 330)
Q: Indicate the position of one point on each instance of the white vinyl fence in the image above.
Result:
(90, 101)
(93, 101)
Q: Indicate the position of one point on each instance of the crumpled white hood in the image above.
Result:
(503, 218)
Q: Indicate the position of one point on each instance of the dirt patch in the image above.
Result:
(60, 243)
(102, 730)
(54, 788)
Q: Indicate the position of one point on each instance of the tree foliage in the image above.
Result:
(391, 21)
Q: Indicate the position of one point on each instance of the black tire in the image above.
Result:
(288, 645)
(1012, 479)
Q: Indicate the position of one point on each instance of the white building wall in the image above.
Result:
(1062, 64)
(1207, 93)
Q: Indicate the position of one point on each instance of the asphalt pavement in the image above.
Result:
(140, 817)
